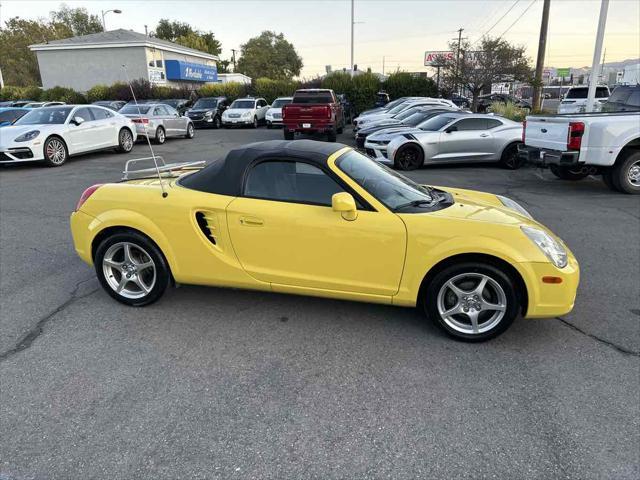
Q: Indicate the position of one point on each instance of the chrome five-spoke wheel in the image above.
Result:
(129, 270)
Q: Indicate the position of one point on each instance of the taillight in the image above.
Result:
(86, 194)
(140, 120)
(284, 111)
(574, 138)
(328, 111)
(524, 130)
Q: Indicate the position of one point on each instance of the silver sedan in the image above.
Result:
(158, 121)
(450, 138)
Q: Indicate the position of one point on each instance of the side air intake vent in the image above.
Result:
(207, 224)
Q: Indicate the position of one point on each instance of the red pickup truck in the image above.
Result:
(313, 110)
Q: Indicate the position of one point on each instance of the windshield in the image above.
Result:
(436, 123)
(134, 109)
(623, 99)
(394, 103)
(243, 104)
(399, 108)
(52, 115)
(172, 103)
(601, 92)
(206, 103)
(406, 113)
(9, 116)
(389, 187)
(280, 102)
(416, 118)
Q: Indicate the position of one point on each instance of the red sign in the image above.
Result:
(433, 59)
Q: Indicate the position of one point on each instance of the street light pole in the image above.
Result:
(104, 12)
(597, 55)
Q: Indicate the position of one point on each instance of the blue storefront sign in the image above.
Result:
(191, 72)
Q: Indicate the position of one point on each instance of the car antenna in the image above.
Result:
(153, 155)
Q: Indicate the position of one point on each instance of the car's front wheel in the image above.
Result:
(471, 301)
(55, 152)
(408, 157)
(217, 123)
(131, 269)
(191, 132)
(255, 122)
(125, 141)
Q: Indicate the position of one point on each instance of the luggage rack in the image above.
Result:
(159, 167)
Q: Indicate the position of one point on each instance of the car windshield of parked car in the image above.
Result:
(173, 103)
(243, 104)
(9, 116)
(48, 115)
(205, 103)
(134, 109)
(392, 189)
(623, 99)
(579, 93)
(406, 113)
(280, 102)
(436, 123)
(416, 118)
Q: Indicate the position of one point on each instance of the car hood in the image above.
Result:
(273, 110)
(239, 110)
(201, 110)
(387, 121)
(369, 119)
(10, 132)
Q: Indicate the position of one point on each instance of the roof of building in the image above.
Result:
(115, 39)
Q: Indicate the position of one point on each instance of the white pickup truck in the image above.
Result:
(577, 145)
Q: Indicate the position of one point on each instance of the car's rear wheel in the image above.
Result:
(125, 140)
(191, 132)
(626, 173)
(510, 158)
(55, 152)
(131, 269)
(160, 136)
(568, 173)
(269, 125)
(408, 157)
(471, 301)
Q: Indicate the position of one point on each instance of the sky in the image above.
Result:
(396, 32)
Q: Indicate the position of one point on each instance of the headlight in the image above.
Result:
(553, 250)
(25, 137)
(513, 205)
(208, 114)
(246, 114)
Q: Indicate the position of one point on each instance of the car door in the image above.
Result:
(161, 117)
(468, 139)
(285, 232)
(178, 123)
(262, 109)
(106, 130)
(82, 137)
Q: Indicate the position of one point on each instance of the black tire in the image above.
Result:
(142, 244)
(567, 173)
(217, 122)
(607, 178)
(626, 173)
(288, 135)
(125, 141)
(339, 130)
(191, 131)
(332, 135)
(408, 157)
(458, 325)
(55, 152)
(161, 136)
(269, 126)
(510, 158)
(255, 122)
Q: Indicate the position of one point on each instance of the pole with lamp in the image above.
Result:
(104, 12)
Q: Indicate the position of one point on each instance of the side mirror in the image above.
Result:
(77, 121)
(451, 129)
(344, 203)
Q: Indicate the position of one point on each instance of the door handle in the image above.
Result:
(484, 135)
(251, 221)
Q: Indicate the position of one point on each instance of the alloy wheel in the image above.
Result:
(472, 303)
(407, 159)
(55, 150)
(634, 174)
(129, 270)
(160, 135)
(190, 131)
(126, 140)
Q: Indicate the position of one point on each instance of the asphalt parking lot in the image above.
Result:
(216, 383)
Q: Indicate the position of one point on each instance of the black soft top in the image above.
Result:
(226, 175)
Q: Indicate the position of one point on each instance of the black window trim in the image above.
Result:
(366, 206)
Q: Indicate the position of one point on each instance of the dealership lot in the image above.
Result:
(213, 383)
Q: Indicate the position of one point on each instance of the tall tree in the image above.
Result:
(269, 55)
(494, 60)
(79, 21)
(184, 34)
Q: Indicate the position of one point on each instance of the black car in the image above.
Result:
(114, 105)
(486, 101)
(180, 104)
(382, 98)
(624, 98)
(207, 111)
(409, 118)
(460, 101)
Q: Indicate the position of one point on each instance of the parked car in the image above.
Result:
(53, 134)
(348, 110)
(624, 98)
(9, 115)
(408, 119)
(20, 103)
(114, 105)
(485, 102)
(361, 121)
(42, 104)
(455, 138)
(387, 107)
(382, 98)
(274, 114)
(246, 111)
(575, 100)
(575, 146)
(313, 110)
(460, 101)
(181, 105)
(207, 111)
(6, 103)
(321, 219)
(158, 121)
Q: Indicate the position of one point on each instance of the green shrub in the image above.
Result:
(272, 89)
(404, 84)
(509, 110)
(365, 87)
(119, 91)
(10, 92)
(339, 82)
(62, 94)
(231, 90)
(99, 92)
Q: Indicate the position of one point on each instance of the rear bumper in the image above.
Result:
(310, 126)
(82, 228)
(543, 156)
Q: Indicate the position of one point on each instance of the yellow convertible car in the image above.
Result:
(321, 219)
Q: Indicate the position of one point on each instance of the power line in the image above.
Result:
(499, 20)
(518, 19)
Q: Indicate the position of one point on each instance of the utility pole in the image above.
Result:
(597, 53)
(455, 76)
(352, 27)
(542, 45)
(233, 58)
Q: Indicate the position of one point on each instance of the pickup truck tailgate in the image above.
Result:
(547, 132)
(306, 112)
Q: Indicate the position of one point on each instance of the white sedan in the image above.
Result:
(245, 111)
(53, 134)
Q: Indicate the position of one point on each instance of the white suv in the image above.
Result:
(575, 101)
(245, 111)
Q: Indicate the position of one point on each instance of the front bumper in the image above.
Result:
(201, 121)
(543, 156)
(237, 121)
(20, 154)
(377, 152)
